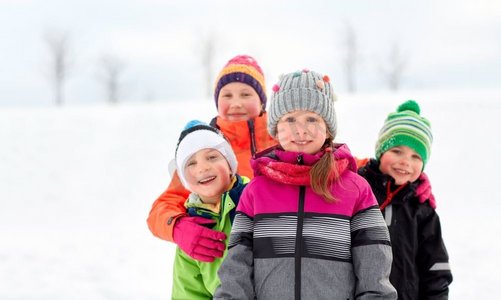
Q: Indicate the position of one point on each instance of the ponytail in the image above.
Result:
(324, 173)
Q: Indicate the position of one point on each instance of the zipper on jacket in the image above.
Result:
(221, 207)
(253, 148)
(299, 238)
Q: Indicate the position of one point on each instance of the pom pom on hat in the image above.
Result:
(244, 69)
(410, 105)
(196, 136)
(406, 127)
(193, 123)
(302, 90)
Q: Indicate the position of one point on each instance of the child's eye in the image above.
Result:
(290, 120)
(417, 157)
(191, 163)
(212, 157)
(396, 150)
(311, 119)
(246, 94)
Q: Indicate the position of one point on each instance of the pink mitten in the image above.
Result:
(423, 190)
(199, 242)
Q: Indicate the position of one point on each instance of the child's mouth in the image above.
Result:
(401, 172)
(207, 180)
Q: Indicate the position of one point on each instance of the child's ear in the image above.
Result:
(262, 110)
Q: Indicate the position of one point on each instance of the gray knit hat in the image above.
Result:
(302, 90)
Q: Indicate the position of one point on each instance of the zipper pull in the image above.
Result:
(300, 159)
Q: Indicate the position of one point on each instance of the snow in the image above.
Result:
(77, 183)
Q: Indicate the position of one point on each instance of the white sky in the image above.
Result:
(449, 44)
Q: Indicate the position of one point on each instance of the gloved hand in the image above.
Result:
(199, 242)
(423, 190)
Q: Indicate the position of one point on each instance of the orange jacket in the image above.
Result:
(361, 162)
(170, 204)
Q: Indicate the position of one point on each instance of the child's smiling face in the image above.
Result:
(238, 102)
(402, 163)
(301, 131)
(208, 174)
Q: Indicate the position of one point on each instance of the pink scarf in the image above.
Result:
(293, 174)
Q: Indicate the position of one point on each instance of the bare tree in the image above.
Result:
(112, 69)
(394, 69)
(60, 62)
(350, 60)
(208, 56)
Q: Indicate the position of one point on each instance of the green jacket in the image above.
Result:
(198, 280)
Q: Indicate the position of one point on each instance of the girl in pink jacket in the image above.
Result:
(307, 226)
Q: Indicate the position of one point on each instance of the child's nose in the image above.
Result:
(300, 134)
(301, 129)
(203, 167)
(237, 104)
(405, 160)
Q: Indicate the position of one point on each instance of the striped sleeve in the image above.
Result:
(367, 224)
(368, 227)
(237, 270)
(242, 231)
(243, 225)
(371, 249)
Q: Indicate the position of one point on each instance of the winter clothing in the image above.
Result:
(287, 242)
(302, 90)
(244, 69)
(198, 280)
(246, 139)
(423, 191)
(406, 127)
(196, 136)
(420, 261)
(199, 242)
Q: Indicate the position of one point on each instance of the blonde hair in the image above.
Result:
(324, 172)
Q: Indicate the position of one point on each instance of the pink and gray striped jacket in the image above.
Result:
(287, 242)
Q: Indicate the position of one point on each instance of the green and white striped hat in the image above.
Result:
(406, 127)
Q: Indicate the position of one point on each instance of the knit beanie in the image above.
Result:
(196, 136)
(244, 69)
(406, 127)
(302, 90)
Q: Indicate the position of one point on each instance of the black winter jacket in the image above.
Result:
(420, 267)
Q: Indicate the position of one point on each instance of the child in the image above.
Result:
(307, 225)
(240, 96)
(420, 262)
(206, 166)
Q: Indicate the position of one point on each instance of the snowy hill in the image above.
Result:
(77, 183)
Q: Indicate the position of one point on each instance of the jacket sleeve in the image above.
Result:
(361, 162)
(237, 270)
(371, 250)
(432, 258)
(167, 208)
(187, 279)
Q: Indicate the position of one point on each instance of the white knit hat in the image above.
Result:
(196, 136)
